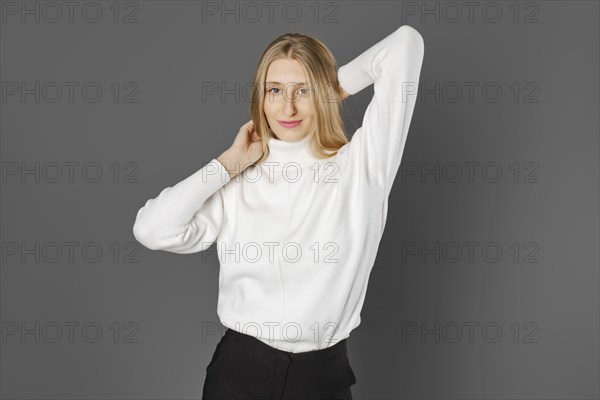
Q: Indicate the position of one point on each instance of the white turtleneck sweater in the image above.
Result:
(296, 236)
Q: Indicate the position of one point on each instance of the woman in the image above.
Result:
(297, 230)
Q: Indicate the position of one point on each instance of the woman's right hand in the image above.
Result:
(245, 150)
(248, 143)
(344, 95)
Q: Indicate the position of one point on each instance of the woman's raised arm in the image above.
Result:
(187, 217)
(393, 64)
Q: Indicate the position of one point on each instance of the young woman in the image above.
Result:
(297, 212)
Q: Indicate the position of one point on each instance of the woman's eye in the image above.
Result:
(302, 91)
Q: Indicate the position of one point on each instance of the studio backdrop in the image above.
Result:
(486, 280)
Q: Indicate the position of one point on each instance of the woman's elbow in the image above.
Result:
(413, 38)
(143, 234)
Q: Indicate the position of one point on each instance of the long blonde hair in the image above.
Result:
(320, 68)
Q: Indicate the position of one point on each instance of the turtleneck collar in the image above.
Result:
(282, 152)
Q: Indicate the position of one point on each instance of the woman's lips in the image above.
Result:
(289, 125)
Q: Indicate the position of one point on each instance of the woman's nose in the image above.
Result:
(290, 103)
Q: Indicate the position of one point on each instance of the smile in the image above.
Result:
(290, 124)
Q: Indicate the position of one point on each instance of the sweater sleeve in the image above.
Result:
(187, 217)
(393, 64)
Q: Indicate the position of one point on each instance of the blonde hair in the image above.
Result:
(320, 68)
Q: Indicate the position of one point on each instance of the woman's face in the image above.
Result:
(287, 98)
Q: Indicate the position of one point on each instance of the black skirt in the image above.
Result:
(243, 367)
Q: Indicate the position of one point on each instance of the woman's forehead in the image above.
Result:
(285, 83)
(282, 72)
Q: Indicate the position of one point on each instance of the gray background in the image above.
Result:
(548, 210)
